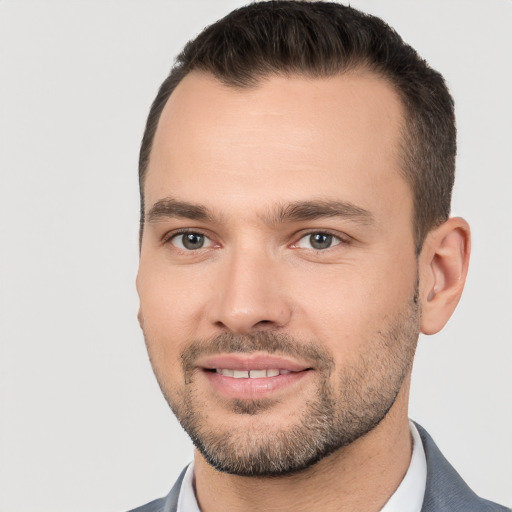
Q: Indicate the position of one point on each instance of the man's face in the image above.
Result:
(278, 278)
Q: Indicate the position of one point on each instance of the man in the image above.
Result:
(296, 173)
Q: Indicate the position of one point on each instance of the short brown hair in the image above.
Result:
(321, 39)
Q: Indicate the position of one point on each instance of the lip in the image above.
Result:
(247, 388)
(251, 362)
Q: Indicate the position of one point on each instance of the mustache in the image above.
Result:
(262, 341)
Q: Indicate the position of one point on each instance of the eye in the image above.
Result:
(190, 241)
(318, 241)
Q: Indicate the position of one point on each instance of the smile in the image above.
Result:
(251, 374)
(253, 383)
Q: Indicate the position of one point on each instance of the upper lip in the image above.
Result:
(250, 362)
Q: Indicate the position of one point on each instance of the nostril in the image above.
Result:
(242, 317)
(265, 325)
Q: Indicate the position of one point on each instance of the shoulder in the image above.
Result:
(167, 504)
(153, 506)
(446, 490)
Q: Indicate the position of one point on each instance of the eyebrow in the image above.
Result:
(291, 212)
(311, 210)
(171, 208)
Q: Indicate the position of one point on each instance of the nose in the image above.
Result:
(250, 297)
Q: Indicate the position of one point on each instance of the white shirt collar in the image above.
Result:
(187, 498)
(407, 498)
(409, 495)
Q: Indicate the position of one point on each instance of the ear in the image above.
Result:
(443, 266)
(140, 315)
(140, 318)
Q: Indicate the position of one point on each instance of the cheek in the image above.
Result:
(170, 309)
(348, 305)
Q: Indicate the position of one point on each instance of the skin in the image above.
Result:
(242, 154)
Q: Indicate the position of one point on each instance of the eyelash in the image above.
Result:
(342, 239)
(168, 237)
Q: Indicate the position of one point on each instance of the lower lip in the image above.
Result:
(253, 388)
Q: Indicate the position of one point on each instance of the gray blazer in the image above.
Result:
(445, 491)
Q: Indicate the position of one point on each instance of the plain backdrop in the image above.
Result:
(83, 426)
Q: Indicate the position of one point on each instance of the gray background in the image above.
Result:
(82, 424)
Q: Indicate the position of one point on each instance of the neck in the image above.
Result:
(361, 476)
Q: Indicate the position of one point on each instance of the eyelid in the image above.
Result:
(170, 235)
(342, 238)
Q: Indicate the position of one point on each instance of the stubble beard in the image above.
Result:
(335, 416)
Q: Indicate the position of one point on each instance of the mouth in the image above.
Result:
(252, 376)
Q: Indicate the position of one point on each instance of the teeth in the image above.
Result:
(258, 374)
(226, 373)
(251, 374)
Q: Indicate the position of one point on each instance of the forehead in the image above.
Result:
(287, 137)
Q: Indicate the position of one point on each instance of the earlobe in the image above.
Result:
(140, 318)
(444, 263)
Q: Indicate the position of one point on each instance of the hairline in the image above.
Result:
(405, 134)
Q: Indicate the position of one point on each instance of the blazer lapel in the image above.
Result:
(445, 490)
